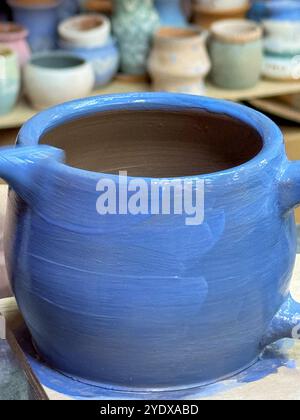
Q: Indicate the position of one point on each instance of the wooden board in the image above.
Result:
(264, 89)
(277, 108)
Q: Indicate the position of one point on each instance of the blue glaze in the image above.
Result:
(105, 60)
(275, 357)
(171, 12)
(41, 20)
(275, 9)
(141, 303)
(68, 8)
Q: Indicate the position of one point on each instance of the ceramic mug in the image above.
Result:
(145, 302)
(10, 79)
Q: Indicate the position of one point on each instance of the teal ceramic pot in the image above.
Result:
(9, 80)
(236, 51)
(134, 23)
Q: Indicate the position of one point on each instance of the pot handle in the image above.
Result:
(19, 167)
(286, 323)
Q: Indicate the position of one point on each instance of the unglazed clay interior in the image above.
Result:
(156, 143)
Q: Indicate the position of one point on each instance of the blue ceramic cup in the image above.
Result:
(146, 302)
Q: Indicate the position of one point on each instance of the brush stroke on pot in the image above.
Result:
(145, 302)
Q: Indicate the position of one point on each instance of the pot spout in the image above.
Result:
(21, 167)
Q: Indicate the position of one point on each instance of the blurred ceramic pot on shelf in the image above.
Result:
(282, 36)
(134, 23)
(85, 31)
(15, 37)
(171, 12)
(205, 13)
(282, 49)
(104, 59)
(10, 79)
(40, 18)
(88, 36)
(283, 10)
(236, 51)
(55, 77)
(179, 61)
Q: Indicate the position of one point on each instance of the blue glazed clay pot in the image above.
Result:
(148, 302)
(275, 9)
(40, 20)
(105, 60)
(171, 12)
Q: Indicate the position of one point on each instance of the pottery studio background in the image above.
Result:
(54, 51)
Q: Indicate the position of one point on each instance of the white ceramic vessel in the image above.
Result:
(53, 78)
(86, 31)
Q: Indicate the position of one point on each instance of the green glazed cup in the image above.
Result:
(236, 51)
(10, 80)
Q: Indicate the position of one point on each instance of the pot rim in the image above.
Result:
(54, 54)
(272, 138)
(68, 24)
(191, 33)
(10, 31)
(222, 31)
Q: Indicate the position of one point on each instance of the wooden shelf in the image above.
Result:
(264, 89)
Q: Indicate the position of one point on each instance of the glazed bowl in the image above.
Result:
(55, 77)
(140, 298)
